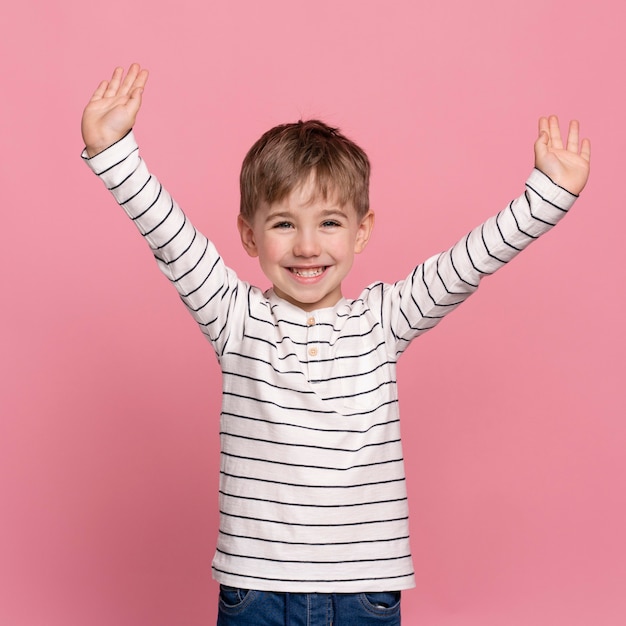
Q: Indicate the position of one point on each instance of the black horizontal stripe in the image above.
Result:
(117, 163)
(292, 523)
(380, 365)
(279, 321)
(437, 302)
(283, 357)
(119, 184)
(292, 444)
(134, 195)
(184, 251)
(456, 271)
(303, 341)
(312, 467)
(318, 544)
(359, 393)
(267, 383)
(174, 236)
(313, 506)
(307, 410)
(195, 266)
(309, 562)
(443, 282)
(316, 581)
(257, 359)
(359, 355)
(315, 428)
(201, 282)
(543, 199)
(311, 485)
(137, 217)
(502, 237)
(517, 224)
(532, 214)
(264, 382)
(159, 224)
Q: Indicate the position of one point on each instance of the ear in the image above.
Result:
(364, 231)
(246, 232)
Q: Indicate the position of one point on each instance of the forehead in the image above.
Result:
(314, 193)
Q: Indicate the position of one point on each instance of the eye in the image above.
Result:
(331, 224)
(283, 225)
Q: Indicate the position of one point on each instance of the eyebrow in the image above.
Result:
(335, 211)
(290, 214)
(273, 215)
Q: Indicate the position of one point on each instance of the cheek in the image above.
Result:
(347, 247)
(271, 250)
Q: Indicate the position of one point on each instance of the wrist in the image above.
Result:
(95, 147)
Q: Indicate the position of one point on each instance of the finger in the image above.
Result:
(544, 133)
(99, 92)
(114, 83)
(572, 137)
(127, 84)
(141, 80)
(585, 150)
(555, 132)
(134, 101)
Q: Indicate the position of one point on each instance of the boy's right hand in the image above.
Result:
(112, 110)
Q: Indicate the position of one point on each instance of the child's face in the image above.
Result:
(306, 246)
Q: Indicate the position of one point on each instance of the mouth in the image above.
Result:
(307, 272)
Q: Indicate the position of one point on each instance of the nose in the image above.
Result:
(306, 244)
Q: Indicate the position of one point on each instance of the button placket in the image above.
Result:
(312, 347)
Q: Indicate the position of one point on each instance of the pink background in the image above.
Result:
(110, 398)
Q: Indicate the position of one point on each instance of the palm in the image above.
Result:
(567, 165)
(106, 115)
(112, 110)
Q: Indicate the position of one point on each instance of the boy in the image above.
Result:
(313, 512)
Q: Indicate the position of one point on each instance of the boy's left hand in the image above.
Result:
(567, 166)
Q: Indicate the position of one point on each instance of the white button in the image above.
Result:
(313, 351)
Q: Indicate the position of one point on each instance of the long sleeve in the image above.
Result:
(440, 284)
(206, 286)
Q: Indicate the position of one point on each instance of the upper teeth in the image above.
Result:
(309, 272)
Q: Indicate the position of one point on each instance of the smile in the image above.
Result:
(309, 272)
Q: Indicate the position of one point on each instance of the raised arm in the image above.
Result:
(444, 281)
(567, 165)
(113, 108)
(190, 262)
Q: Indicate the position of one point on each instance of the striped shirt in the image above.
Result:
(312, 485)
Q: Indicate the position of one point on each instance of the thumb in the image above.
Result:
(541, 145)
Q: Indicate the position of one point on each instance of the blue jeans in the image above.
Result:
(241, 607)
